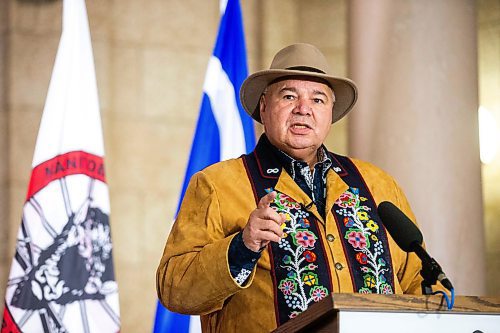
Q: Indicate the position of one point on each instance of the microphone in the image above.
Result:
(409, 238)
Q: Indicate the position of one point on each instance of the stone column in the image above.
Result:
(4, 153)
(415, 63)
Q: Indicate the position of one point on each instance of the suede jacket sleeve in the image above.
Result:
(193, 276)
(409, 272)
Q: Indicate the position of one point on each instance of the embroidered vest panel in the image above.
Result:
(299, 267)
(300, 271)
(364, 238)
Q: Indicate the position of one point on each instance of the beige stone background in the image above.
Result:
(489, 97)
(150, 58)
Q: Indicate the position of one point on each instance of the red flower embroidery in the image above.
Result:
(357, 239)
(287, 201)
(361, 258)
(346, 200)
(305, 238)
(309, 256)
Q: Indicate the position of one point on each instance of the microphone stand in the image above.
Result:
(431, 271)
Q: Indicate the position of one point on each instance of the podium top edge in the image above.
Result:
(415, 303)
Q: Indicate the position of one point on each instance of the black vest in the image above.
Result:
(299, 267)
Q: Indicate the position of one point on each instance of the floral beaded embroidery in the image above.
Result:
(361, 234)
(301, 285)
(242, 276)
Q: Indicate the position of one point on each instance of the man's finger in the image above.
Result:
(272, 227)
(268, 235)
(270, 214)
(259, 224)
(266, 200)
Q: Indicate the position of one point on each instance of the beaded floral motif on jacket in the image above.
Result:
(365, 243)
(300, 267)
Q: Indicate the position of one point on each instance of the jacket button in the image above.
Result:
(339, 266)
(330, 237)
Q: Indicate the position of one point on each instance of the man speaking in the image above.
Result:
(260, 238)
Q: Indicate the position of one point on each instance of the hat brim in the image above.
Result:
(252, 88)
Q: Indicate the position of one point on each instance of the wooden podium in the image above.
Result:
(347, 313)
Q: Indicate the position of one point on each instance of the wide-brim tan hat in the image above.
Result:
(298, 60)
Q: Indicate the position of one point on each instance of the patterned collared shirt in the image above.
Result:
(312, 182)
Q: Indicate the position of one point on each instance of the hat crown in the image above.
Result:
(298, 60)
(301, 56)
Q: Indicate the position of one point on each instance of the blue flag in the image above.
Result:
(224, 130)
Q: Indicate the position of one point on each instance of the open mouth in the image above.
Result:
(300, 126)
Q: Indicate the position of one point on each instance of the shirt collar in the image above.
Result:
(292, 165)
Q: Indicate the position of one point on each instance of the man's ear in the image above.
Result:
(262, 106)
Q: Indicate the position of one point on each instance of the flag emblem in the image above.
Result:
(67, 265)
(62, 276)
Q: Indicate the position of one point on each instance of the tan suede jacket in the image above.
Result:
(193, 276)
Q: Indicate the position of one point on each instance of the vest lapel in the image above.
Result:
(364, 237)
(335, 186)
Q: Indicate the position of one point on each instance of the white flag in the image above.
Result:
(62, 277)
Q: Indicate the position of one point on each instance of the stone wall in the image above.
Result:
(489, 84)
(5, 258)
(150, 59)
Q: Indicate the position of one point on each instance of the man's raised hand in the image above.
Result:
(264, 224)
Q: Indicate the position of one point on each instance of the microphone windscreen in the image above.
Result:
(404, 232)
